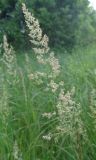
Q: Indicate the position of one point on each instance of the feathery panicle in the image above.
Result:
(37, 38)
(54, 63)
(69, 115)
(41, 43)
(9, 61)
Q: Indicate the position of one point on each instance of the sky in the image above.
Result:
(93, 3)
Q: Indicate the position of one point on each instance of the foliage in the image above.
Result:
(67, 22)
(40, 116)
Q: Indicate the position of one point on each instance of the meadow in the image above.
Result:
(47, 102)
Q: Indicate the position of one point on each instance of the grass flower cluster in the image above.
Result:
(9, 61)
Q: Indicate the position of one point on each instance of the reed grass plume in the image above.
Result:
(68, 112)
(40, 42)
(9, 61)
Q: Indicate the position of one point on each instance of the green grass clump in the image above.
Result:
(21, 123)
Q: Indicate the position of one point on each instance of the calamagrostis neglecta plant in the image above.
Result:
(9, 61)
(68, 112)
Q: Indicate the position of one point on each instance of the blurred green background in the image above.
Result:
(67, 23)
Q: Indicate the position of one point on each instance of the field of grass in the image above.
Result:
(26, 133)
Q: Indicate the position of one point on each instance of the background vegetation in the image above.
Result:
(67, 22)
(31, 124)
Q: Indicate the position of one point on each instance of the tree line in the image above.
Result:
(66, 22)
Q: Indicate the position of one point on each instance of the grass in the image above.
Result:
(24, 123)
(78, 69)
